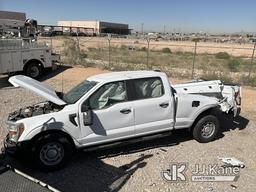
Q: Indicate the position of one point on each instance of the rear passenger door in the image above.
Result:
(153, 108)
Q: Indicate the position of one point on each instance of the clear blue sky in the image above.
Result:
(184, 15)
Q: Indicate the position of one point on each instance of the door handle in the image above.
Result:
(125, 111)
(164, 105)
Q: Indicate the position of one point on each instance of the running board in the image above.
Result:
(128, 141)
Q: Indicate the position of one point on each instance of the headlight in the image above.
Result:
(15, 131)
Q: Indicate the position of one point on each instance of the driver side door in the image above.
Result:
(112, 115)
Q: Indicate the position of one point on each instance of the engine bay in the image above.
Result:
(34, 110)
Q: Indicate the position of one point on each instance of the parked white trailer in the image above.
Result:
(27, 56)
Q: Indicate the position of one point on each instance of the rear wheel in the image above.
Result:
(206, 129)
(52, 152)
(34, 70)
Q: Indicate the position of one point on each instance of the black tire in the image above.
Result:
(52, 152)
(206, 129)
(33, 70)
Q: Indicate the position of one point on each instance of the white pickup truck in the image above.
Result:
(114, 107)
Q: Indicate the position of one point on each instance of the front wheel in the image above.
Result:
(52, 152)
(206, 129)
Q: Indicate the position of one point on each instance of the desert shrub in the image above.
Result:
(213, 75)
(72, 53)
(143, 49)
(92, 49)
(222, 55)
(179, 52)
(252, 81)
(166, 50)
(124, 47)
(234, 65)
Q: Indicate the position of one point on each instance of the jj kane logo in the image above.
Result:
(211, 172)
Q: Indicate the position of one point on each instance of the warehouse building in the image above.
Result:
(98, 27)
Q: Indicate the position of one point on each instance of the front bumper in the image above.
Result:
(10, 147)
(15, 148)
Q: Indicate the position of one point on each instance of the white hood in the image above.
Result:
(36, 87)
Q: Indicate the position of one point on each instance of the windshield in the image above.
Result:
(78, 91)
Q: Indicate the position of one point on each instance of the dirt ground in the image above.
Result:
(138, 167)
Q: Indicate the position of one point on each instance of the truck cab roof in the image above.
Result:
(124, 75)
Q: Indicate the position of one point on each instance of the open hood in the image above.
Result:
(36, 87)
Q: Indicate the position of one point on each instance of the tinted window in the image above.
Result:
(148, 88)
(108, 95)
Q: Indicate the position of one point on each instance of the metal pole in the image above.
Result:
(249, 75)
(148, 41)
(194, 58)
(109, 46)
(142, 28)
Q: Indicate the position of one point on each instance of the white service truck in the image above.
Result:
(113, 107)
(27, 56)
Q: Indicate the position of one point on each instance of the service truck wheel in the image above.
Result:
(33, 70)
(206, 129)
(52, 152)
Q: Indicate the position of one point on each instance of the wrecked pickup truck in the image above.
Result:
(113, 107)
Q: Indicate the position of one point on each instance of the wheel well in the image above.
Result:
(213, 110)
(55, 133)
(31, 62)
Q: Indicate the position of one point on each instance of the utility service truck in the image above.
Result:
(26, 56)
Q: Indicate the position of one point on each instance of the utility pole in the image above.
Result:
(164, 29)
(142, 28)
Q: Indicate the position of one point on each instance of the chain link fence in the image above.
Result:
(194, 60)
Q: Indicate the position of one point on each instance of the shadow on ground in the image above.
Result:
(228, 122)
(88, 172)
(48, 73)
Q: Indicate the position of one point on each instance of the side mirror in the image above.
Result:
(87, 115)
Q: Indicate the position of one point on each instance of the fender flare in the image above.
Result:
(35, 134)
(208, 109)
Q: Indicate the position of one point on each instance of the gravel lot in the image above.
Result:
(138, 167)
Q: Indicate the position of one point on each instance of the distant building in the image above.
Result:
(11, 21)
(98, 27)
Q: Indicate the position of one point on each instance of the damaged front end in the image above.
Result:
(16, 127)
(34, 110)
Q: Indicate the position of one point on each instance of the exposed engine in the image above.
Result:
(34, 110)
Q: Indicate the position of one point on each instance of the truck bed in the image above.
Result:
(229, 95)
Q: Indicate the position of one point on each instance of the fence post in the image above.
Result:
(251, 64)
(194, 58)
(148, 41)
(109, 47)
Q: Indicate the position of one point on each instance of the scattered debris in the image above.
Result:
(152, 185)
(163, 149)
(233, 186)
(232, 162)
